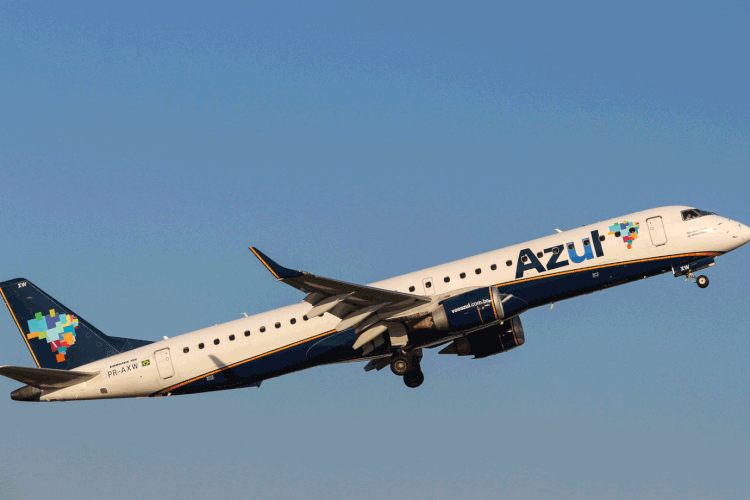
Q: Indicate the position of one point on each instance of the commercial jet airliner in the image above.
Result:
(470, 307)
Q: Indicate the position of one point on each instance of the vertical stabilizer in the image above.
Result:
(56, 336)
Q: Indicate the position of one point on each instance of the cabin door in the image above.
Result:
(656, 230)
(164, 363)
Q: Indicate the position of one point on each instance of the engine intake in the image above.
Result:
(474, 308)
(488, 341)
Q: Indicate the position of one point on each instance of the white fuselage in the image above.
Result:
(137, 373)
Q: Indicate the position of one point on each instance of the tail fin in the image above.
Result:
(56, 336)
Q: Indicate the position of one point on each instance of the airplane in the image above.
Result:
(469, 307)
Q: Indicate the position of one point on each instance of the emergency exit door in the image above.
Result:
(656, 230)
(164, 363)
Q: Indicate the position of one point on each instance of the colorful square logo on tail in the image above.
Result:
(624, 228)
(59, 330)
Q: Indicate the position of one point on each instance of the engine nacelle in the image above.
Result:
(472, 309)
(488, 341)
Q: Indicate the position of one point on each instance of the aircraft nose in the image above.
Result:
(741, 232)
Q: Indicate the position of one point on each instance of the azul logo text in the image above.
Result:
(527, 260)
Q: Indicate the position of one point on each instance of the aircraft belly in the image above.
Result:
(263, 366)
(556, 287)
(336, 342)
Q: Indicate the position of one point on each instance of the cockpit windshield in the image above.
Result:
(694, 213)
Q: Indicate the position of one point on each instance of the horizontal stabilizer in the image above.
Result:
(46, 378)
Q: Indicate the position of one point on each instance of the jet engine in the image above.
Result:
(472, 309)
(488, 341)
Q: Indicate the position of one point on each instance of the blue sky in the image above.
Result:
(143, 148)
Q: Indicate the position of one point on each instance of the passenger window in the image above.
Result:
(103, 390)
(446, 279)
(463, 275)
(262, 329)
(411, 289)
(216, 341)
(632, 229)
(305, 318)
(509, 263)
(186, 350)
(277, 325)
(601, 237)
(539, 254)
(201, 346)
(478, 271)
(617, 234)
(556, 250)
(247, 333)
(524, 258)
(586, 242)
(231, 337)
(493, 267)
(571, 246)
(293, 320)
(428, 284)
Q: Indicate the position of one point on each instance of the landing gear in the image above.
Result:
(401, 364)
(406, 364)
(702, 281)
(414, 378)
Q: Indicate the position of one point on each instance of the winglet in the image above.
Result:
(280, 272)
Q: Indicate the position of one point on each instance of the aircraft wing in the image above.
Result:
(355, 305)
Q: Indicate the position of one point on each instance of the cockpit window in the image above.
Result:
(694, 213)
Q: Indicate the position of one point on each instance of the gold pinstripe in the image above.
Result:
(20, 330)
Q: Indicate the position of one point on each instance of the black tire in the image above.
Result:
(401, 365)
(414, 379)
(702, 281)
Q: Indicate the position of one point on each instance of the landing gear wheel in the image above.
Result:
(414, 379)
(401, 365)
(702, 281)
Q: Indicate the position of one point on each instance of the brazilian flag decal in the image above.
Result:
(146, 363)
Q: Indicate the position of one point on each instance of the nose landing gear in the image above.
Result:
(407, 365)
(701, 281)
(688, 269)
